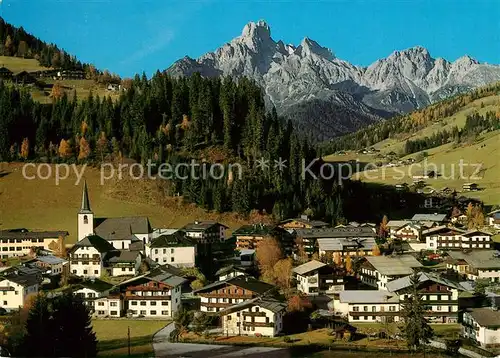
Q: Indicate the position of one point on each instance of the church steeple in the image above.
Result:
(85, 208)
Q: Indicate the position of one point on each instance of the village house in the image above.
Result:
(314, 278)
(90, 290)
(15, 287)
(482, 326)
(88, 256)
(222, 294)
(23, 77)
(123, 262)
(494, 219)
(176, 249)
(367, 306)
(475, 264)
(206, 231)
(470, 187)
(446, 238)
(156, 293)
(50, 265)
(378, 271)
(439, 295)
(436, 218)
(344, 240)
(248, 237)
(408, 232)
(257, 317)
(394, 225)
(19, 242)
(230, 271)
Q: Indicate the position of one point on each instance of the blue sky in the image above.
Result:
(132, 36)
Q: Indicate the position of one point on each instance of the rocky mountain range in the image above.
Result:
(328, 96)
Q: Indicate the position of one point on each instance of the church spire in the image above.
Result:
(85, 199)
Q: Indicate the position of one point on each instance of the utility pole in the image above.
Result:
(128, 340)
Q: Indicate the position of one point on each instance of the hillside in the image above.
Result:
(41, 204)
(480, 148)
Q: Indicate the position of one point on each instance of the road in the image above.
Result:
(163, 348)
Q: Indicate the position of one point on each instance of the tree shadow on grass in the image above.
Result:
(118, 347)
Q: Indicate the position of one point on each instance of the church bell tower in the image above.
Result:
(85, 216)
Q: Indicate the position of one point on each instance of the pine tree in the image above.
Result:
(416, 329)
(39, 328)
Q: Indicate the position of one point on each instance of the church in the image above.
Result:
(115, 246)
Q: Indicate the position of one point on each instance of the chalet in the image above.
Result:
(475, 264)
(314, 278)
(176, 249)
(470, 187)
(482, 326)
(223, 294)
(88, 256)
(494, 219)
(90, 290)
(248, 236)
(23, 77)
(18, 242)
(49, 264)
(73, 74)
(5, 73)
(15, 287)
(439, 295)
(345, 240)
(230, 271)
(394, 225)
(114, 87)
(259, 316)
(408, 232)
(444, 237)
(206, 231)
(246, 257)
(156, 293)
(378, 271)
(123, 262)
(302, 223)
(367, 306)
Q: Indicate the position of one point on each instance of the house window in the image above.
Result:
(130, 268)
(100, 303)
(171, 259)
(164, 251)
(123, 268)
(365, 308)
(374, 309)
(133, 303)
(113, 304)
(84, 272)
(113, 313)
(143, 313)
(100, 312)
(96, 272)
(355, 309)
(153, 303)
(267, 319)
(143, 303)
(171, 251)
(74, 271)
(5, 302)
(164, 313)
(153, 313)
(438, 308)
(156, 251)
(16, 292)
(366, 318)
(256, 309)
(229, 317)
(164, 303)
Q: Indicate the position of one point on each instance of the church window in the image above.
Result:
(85, 219)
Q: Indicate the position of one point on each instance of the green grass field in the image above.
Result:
(17, 64)
(41, 204)
(112, 337)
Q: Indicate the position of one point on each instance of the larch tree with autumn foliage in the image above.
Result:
(25, 148)
(65, 149)
(268, 253)
(84, 151)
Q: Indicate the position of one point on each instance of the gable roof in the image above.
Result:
(393, 265)
(226, 269)
(50, 259)
(479, 259)
(122, 227)
(429, 217)
(201, 225)
(486, 317)
(270, 304)
(397, 223)
(23, 280)
(122, 256)
(245, 282)
(165, 274)
(94, 241)
(443, 228)
(176, 239)
(367, 296)
(24, 234)
(308, 267)
(477, 231)
(405, 282)
(342, 244)
(313, 223)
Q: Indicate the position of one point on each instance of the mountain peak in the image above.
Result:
(259, 29)
(412, 52)
(309, 47)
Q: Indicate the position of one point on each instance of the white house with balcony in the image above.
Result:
(482, 325)
(367, 306)
(315, 277)
(176, 249)
(378, 271)
(475, 264)
(87, 256)
(256, 317)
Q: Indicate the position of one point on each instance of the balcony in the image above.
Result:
(258, 324)
(217, 304)
(254, 314)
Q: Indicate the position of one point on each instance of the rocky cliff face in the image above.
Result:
(308, 80)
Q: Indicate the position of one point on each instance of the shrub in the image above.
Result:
(287, 339)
